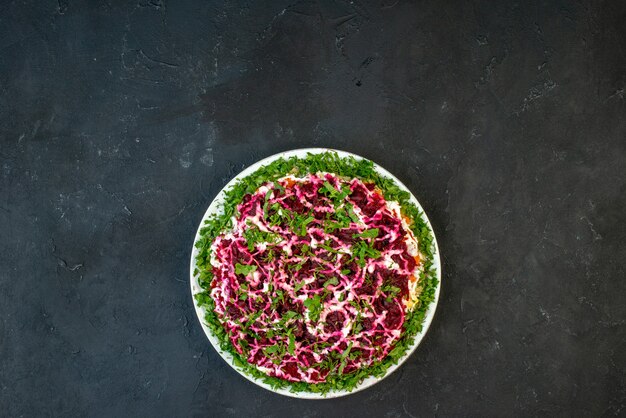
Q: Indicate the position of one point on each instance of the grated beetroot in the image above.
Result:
(293, 293)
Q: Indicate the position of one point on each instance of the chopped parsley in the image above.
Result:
(370, 233)
(244, 269)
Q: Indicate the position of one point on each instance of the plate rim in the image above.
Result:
(200, 312)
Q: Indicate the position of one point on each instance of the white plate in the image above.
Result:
(216, 206)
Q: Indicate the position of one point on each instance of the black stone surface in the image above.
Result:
(120, 121)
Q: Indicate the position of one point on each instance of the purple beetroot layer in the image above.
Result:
(304, 305)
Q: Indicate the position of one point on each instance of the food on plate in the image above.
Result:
(317, 274)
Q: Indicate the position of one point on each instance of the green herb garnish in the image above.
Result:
(244, 269)
(314, 305)
(368, 233)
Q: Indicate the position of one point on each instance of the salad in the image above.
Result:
(317, 273)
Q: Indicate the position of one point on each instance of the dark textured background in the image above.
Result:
(120, 121)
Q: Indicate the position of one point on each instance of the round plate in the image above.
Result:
(216, 206)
